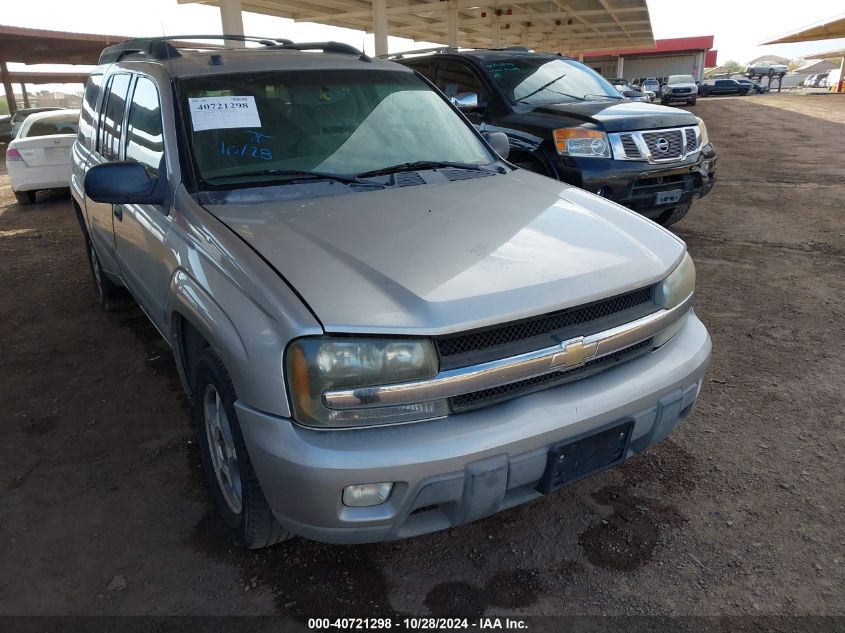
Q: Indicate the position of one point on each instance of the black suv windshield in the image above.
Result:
(276, 126)
(540, 80)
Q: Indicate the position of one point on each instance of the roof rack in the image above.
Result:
(445, 49)
(162, 48)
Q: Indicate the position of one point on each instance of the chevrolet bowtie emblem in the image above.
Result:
(575, 353)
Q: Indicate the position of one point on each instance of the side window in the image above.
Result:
(111, 122)
(144, 139)
(455, 77)
(423, 67)
(88, 111)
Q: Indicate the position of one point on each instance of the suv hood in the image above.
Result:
(441, 258)
(613, 116)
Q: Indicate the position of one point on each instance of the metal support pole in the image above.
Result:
(232, 20)
(7, 86)
(380, 26)
(840, 85)
(496, 40)
(453, 24)
(620, 67)
(25, 96)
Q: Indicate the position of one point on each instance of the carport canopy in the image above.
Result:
(825, 30)
(38, 46)
(549, 25)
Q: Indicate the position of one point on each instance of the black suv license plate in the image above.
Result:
(668, 197)
(571, 461)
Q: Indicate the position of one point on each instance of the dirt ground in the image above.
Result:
(741, 511)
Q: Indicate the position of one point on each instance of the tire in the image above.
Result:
(225, 461)
(691, 102)
(672, 216)
(25, 197)
(742, 93)
(110, 296)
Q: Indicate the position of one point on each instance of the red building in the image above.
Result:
(676, 56)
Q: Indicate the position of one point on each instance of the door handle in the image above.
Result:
(118, 212)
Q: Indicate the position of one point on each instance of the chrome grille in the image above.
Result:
(692, 142)
(664, 143)
(468, 348)
(524, 387)
(643, 146)
(630, 146)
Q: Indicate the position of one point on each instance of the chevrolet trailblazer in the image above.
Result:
(384, 327)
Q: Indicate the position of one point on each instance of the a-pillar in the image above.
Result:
(232, 18)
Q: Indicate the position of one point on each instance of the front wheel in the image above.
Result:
(672, 216)
(228, 469)
(25, 197)
(691, 102)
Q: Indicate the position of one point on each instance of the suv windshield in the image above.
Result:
(271, 126)
(540, 80)
(680, 79)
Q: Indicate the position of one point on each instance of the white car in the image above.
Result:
(39, 156)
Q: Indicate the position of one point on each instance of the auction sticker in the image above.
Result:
(217, 113)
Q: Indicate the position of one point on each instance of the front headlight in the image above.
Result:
(704, 138)
(679, 285)
(578, 142)
(315, 365)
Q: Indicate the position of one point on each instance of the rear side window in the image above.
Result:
(111, 123)
(144, 140)
(88, 111)
(423, 66)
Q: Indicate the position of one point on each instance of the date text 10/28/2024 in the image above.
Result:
(417, 624)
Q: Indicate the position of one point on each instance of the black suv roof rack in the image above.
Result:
(162, 48)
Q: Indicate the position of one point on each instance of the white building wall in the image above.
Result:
(636, 67)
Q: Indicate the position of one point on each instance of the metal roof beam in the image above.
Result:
(438, 7)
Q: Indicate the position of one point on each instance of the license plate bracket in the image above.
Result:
(576, 459)
(668, 197)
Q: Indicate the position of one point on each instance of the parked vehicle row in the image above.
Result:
(385, 327)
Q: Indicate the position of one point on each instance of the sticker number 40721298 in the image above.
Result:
(217, 113)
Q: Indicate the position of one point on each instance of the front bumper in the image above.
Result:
(635, 184)
(469, 465)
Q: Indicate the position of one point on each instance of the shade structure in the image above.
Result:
(825, 30)
(549, 25)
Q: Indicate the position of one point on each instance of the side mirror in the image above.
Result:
(123, 182)
(499, 142)
(465, 101)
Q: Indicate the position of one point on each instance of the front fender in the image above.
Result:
(253, 360)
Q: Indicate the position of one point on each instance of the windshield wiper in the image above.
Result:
(603, 96)
(543, 87)
(420, 164)
(297, 174)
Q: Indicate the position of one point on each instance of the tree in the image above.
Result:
(732, 66)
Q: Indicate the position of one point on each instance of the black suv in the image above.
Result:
(722, 87)
(565, 121)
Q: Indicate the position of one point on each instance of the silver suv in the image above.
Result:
(384, 328)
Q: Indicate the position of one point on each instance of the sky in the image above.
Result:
(738, 25)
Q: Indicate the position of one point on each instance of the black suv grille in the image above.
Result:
(524, 387)
(503, 341)
(630, 146)
(665, 143)
(690, 135)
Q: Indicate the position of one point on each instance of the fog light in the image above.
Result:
(364, 495)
